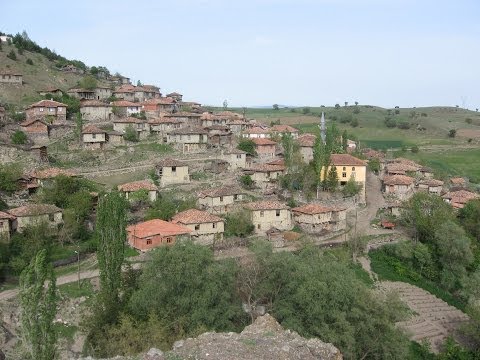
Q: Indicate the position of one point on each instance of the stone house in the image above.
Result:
(125, 108)
(306, 142)
(120, 80)
(47, 110)
(219, 200)
(170, 171)
(5, 38)
(11, 78)
(264, 174)
(6, 225)
(115, 137)
(316, 219)
(159, 105)
(188, 118)
(401, 186)
(425, 172)
(432, 186)
(237, 159)
(143, 185)
(93, 137)
(347, 167)
(45, 177)
(36, 129)
(209, 119)
(146, 92)
(103, 92)
(219, 135)
(96, 111)
(154, 233)
(176, 96)
(188, 139)
(237, 125)
(270, 214)
(163, 125)
(186, 105)
(124, 94)
(139, 125)
(256, 132)
(82, 94)
(280, 130)
(459, 198)
(264, 148)
(206, 228)
(34, 214)
(51, 91)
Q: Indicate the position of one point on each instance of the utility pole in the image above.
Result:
(78, 266)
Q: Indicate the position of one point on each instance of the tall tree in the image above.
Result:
(290, 150)
(331, 181)
(38, 307)
(344, 140)
(111, 235)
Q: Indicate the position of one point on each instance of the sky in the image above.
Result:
(261, 52)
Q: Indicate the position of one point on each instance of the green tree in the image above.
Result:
(246, 181)
(247, 145)
(38, 307)
(11, 55)
(225, 104)
(88, 82)
(275, 107)
(452, 133)
(29, 61)
(344, 140)
(167, 205)
(290, 151)
(19, 137)
(306, 110)
(111, 236)
(130, 134)
(239, 224)
(337, 106)
(414, 149)
(9, 175)
(374, 165)
(351, 188)
(354, 122)
(470, 218)
(331, 181)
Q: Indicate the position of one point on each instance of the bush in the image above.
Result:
(397, 111)
(354, 123)
(414, 149)
(11, 55)
(238, 224)
(130, 134)
(424, 114)
(306, 110)
(19, 138)
(29, 62)
(9, 173)
(468, 120)
(356, 110)
(452, 133)
(88, 82)
(337, 106)
(404, 125)
(248, 146)
(390, 123)
(246, 181)
(346, 118)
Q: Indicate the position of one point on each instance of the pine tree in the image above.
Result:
(38, 307)
(331, 182)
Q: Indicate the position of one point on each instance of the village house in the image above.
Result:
(432, 186)
(47, 110)
(139, 125)
(114, 137)
(459, 198)
(5, 38)
(209, 119)
(189, 118)
(146, 186)
(189, 105)
(35, 129)
(237, 159)
(188, 139)
(159, 105)
(306, 142)
(125, 92)
(163, 125)
(45, 177)
(154, 233)
(6, 225)
(317, 219)
(93, 137)
(237, 125)
(256, 133)
(171, 171)
(351, 146)
(53, 91)
(206, 228)
(11, 78)
(401, 186)
(120, 80)
(398, 168)
(70, 68)
(425, 172)
(35, 214)
(458, 182)
(264, 148)
(347, 167)
(280, 130)
(125, 108)
(264, 174)
(219, 135)
(219, 200)
(103, 93)
(82, 94)
(176, 96)
(146, 92)
(269, 214)
(95, 111)
(39, 152)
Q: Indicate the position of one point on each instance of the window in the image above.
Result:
(174, 169)
(353, 168)
(1, 224)
(41, 109)
(94, 136)
(261, 213)
(197, 227)
(51, 109)
(258, 226)
(344, 168)
(235, 197)
(59, 109)
(221, 198)
(169, 240)
(277, 212)
(51, 217)
(344, 175)
(214, 225)
(149, 241)
(239, 156)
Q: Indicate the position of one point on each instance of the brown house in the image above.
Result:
(153, 233)
(142, 185)
(47, 110)
(94, 137)
(206, 228)
(158, 105)
(36, 129)
(306, 142)
(432, 186)
(34, 214)
(284, 129)
(401, 186)
(6, 225)
(175, 95)
(265, 148)
(316, 219)
(459, 198)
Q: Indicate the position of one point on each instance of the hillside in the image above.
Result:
(41, 75)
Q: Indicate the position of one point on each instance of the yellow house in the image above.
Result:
(349, 166)
(171, 171)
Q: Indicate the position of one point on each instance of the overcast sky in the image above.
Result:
(261, 52)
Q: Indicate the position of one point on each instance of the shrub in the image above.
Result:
(130, 134)
(29, 62)
(19, 138)
(246, 181)
(238, 224)
(397, 111)
(248, 146)
(424, 114)
(9, 173)
(354, 123)
(11, 55)
(452, 133)
(403, 125)
(346, 118)
(468, 120)
(390, 123)
(356, 110)
(306, 110)
(415, 149)
(337, 106)
(351, 188)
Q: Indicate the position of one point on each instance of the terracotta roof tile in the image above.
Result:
(160, 101)
(156, 227)
(51, 173)
(129, 120)
(47, 103)
(256, 130)
(265, 168)
(188, 130)
(284, 129)
(398, 180)
(137, 185)
(346, 159)
(194, 216)
(431, 182)
(457, 181)
(461, 196)
(263, 142)
(307, 140)
(125, 103)
(312, 209)
(266, 205)
(221, 191)
(92, 129)
(34, 209)
(4, 215)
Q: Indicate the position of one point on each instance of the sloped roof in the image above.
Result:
(307, 140)
(47, 103)
(312, 209)
(284, 129)
(221, 191)
(194, 216)
(431, 182)
(92, 129)
(34, 209)
(265, 168)
(157, 227)
(256, 130)
(79, 90)
(138, 185)
(263, 142)
(457, 181)
(266, 205)
(346, 159)
(93, 103)
(51, 173)
(4, 215)
(30, 122)
(125, 103)
(461, 196)
(160, 101)
(129, 120)
(188, 130)
(398, 180)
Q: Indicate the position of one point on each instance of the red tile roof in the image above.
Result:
(457, 181)
(156, 227)
(284, 129)
(461, 196)
(312, 209)
(194, 216)
(34, 209)
(346, 159)
(125, 103)
(398, 180)
(51, 173)
(137, 185)
(4, 215)
(222, 191)
(265, 168)
(257, 130)
(263, 142)
(266, 205)
(307, 140)
(160, 101)
(431, 182)
(47, 103)
(92, 129)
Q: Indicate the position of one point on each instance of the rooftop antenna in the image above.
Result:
(323, 128)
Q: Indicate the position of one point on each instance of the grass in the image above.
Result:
(66, 331)
(383, 265)
(129, 252)
(73, 291)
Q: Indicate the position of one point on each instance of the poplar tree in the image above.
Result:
(38, 307)
(111, 235)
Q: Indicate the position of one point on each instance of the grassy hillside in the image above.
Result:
(42, 74)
